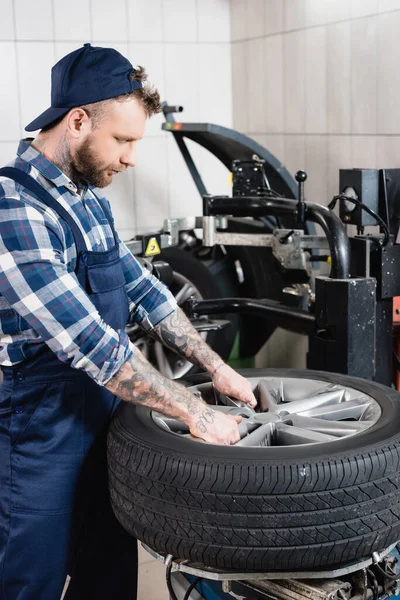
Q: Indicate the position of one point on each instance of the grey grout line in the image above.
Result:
(91, 20)
(325, 134)
(120, 41)
(17, 69)
(286, 31)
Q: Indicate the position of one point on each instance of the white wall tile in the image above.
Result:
(127, 234)
(316, 12)
(316, 186)
(256, 85)
(10, 125)
(363, 152)
(180, 20)
(184, 199)
(315, 80)
(182, 83)
(319, 12)
(339, 78)
(214, 21)
(7, 21)
(294, 81)
(297, 348)
(384, 5)
(64, 48)
(273, 21)
(121, 197)
(339, 157)
(151, 57)
(31, 26)
(362, 8)
(145, 21)
(120, 46)
(72, 20)
(151, 183)
(8, 151)
(109, 23)
(215, 84)
(388, 152)
(34, 82)
(239, 17)
(294, 14)
(388, 83)
(255, 18)
(240, 85)
(364, 75)
(276, 145)
(295, 153)
(337, 10)
(273, 97)
(215, 176)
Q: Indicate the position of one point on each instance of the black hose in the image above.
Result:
(374, 215)
(387, 575)
(169, 582)
(191, 587)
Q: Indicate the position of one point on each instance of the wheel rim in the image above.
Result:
(290, 412)
(167, 362)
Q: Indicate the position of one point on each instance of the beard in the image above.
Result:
(86, 167)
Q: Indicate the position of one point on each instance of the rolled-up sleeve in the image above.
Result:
(150, 301)
(38, 285)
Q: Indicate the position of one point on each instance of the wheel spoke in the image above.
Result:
(162, 362)
(184, 293)
(288, 435)
(262, 436)
(310, 403)
(352, 409)
(169, 423)
(336, 428)
(267, 400)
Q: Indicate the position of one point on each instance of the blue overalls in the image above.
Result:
(55, 515)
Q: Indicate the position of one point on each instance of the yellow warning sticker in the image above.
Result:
(153, 247)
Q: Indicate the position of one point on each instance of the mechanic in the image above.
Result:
(68, 287)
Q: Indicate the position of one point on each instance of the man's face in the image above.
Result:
(111, 147)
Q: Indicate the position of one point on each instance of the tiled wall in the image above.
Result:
(185, 46)
(317, 82)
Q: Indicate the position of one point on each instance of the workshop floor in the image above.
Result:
(152, 584)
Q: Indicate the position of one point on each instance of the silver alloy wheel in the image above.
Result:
(290, 412)
(167, 362)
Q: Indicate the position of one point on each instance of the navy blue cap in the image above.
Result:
(86, 75)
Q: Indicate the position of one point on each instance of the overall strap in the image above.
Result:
(33, 186)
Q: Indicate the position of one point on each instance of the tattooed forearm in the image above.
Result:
(138, 382)
(176, 332)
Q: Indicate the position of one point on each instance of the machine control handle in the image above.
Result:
(301, 177)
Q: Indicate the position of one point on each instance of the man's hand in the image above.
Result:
(215, 427)
(230, 383)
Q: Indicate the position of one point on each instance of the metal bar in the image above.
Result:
(335, 232)
(244, 239)
(292, 319)
(190, 164)
(200, 570)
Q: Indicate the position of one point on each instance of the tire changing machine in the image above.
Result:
(348, 321)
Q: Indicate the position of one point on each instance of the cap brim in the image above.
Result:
(46, 118)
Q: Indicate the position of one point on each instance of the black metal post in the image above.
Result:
(344, 341)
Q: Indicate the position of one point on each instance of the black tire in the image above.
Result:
(287, 508)
(208, 282)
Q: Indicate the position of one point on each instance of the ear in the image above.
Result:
(78, 123)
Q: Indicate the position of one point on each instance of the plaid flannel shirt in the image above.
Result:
(41, 300)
